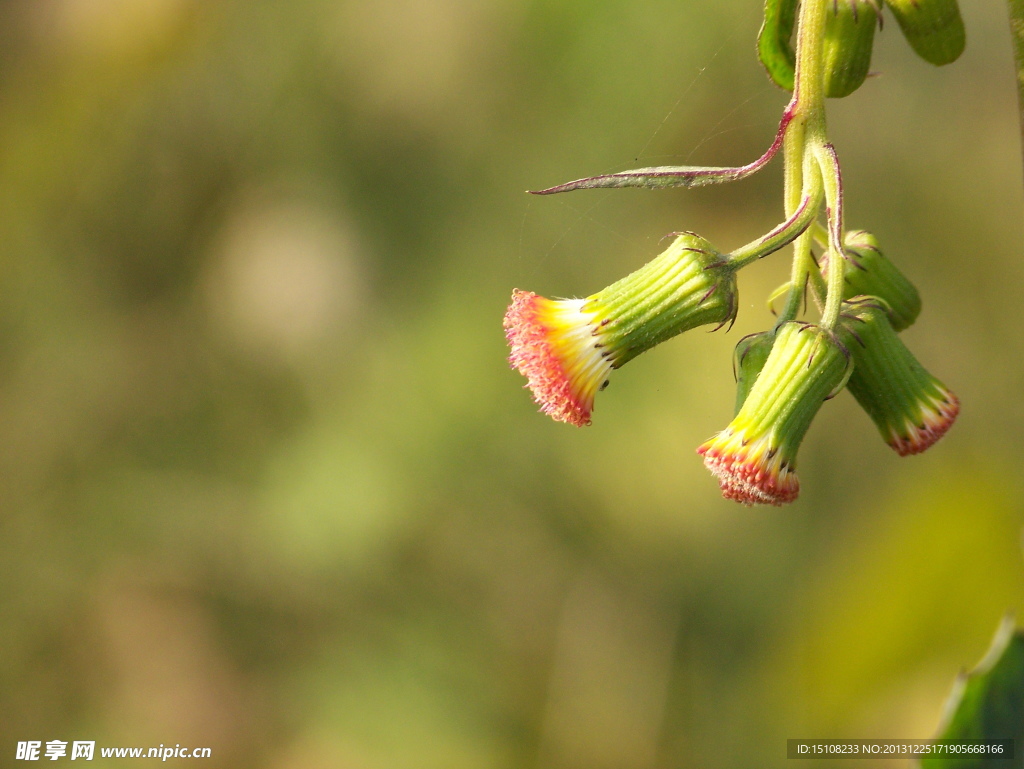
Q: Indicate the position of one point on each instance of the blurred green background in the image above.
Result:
(269, 485)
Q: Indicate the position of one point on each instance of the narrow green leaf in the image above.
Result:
(655, 178)
(662, 177)
(988, 702)
(774, 46)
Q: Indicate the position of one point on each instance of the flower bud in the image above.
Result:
(754, 458)
(749, 358)
(870, 273)
(567, 347)
(911, 408)
(933, 28)
(774, 41)
(849, 38)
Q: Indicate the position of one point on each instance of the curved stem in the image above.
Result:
(820, 236)
(832, 179)
(793, 153)
(787, 232)
(804, 268)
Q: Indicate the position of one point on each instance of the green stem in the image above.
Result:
(833, 182)
(820, 236)
(809, 83)
(793, 152)
(806, 129)
(804, 266)
(806, 182)
(791, 229)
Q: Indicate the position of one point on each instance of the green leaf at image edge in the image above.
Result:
(773, 41)
(988, 702)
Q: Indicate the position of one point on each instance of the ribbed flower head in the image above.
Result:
(566, 348)
(911, 408)
(754, 458)
(748, 359)
(870, 273)
(933, 28)
(849, 38)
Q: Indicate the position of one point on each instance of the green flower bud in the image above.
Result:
(911, 408)
(933, 28)
(566, 348)
(774, 41)
(849, 37)
(754, 458)
(748, 359)
(869, 273)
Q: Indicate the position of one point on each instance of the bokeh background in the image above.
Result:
(270, 487)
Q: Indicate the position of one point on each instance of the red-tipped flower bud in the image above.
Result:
(754, 458)
(911, 408)
(567, 347)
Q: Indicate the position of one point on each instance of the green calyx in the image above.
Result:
(870, 273)
(749, 357)
(849, 38)
(684, 287)
(774, 42)
(910, 407)
(933, 28)
(805, 367)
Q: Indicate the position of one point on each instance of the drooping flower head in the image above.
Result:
(870, 273)
(911, 408)
(754, 458)
(566, 348)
